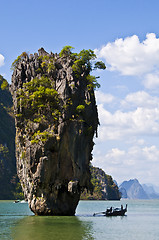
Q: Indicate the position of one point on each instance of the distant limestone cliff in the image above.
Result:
(56, 119)
(150, 191)
(132, 189)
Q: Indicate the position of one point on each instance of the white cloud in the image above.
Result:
(115, 155)
(151, 80)
(151, 153)
(138, 116)
(104, 97)
(131, 57)
(135, 162)
(127, 146)
(123, 136)
(120, 125)
(140, 99)
(140, 141)
(1, 60)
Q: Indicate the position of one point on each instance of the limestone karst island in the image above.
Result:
(56, 119)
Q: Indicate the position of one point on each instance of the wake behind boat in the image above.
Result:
(114, 211)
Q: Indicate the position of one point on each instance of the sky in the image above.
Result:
(125, 36)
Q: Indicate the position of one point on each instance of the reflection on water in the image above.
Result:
(40, 228)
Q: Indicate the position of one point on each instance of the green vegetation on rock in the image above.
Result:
(104, 187)
(17, 60)
(38, 100)
(66, 51)
(83, 65)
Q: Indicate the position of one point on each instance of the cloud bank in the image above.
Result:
(104, 97)
(118, 125)
(127, 127)
(1, 60)
(131, 57)
(135, 162)
(136, 115)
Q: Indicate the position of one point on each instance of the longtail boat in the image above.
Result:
(113, 211)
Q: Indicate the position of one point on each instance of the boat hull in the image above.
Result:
(116, 213)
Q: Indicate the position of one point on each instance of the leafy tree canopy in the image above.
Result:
(66, 51)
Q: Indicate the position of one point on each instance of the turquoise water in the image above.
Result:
(141, 223)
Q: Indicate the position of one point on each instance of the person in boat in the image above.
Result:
(109, 210)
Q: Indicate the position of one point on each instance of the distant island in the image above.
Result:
(104, 187)
(132, 189)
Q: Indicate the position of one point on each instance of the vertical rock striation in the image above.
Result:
(56, 118)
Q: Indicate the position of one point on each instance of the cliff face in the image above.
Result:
(132, 189)
(149, 189)
(7, 146)
(104, 188)
(56, 118)
(7, 127)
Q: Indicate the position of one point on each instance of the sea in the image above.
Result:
(141, 222)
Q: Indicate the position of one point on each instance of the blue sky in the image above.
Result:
(125, 35)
